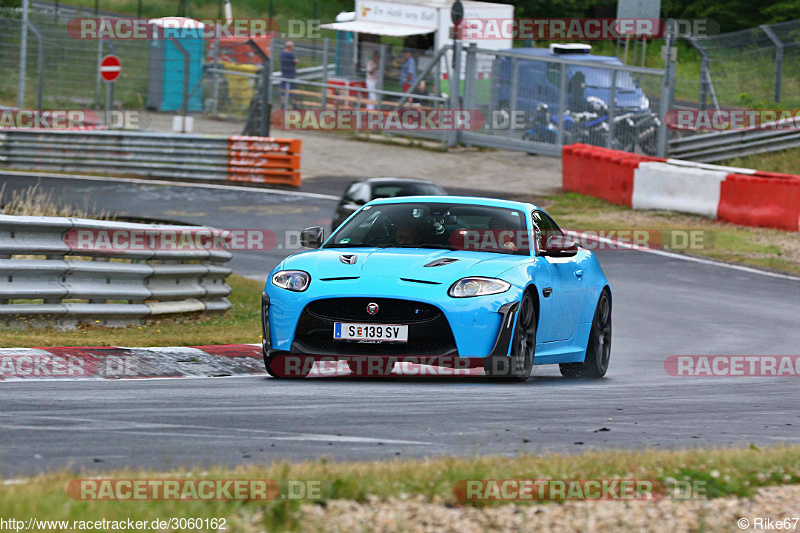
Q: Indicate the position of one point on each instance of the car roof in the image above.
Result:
(545, 52)
(467, 200)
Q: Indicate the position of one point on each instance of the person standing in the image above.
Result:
(288, 70)
(373, 65)
(409, 71)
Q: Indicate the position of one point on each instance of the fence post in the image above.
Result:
(612, 108)
(23, 56)
(381, 74)
(667, 91)
(778, 59)
(324, 96)
(512, 97)
(562, 104)
(455, 87)
(470, 75)
(39, 64)
(266, 85)
(704, 74)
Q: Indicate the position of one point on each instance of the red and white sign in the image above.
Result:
(110, 67)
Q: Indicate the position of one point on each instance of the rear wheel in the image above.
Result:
(517, 366)
(598, 351)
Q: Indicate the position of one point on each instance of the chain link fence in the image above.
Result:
(69, 66)
(750, 68)
(536, 96)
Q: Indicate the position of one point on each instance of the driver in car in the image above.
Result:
(408, 232)
(503, 234)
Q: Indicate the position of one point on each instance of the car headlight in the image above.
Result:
(292, 280)
(475, 286)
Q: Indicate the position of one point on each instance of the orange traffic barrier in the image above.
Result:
(264, 160)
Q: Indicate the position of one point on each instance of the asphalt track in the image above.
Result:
(663, 306)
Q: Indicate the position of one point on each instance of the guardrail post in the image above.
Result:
(778, 59)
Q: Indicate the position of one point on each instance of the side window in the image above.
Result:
(357, 193)
(543, 228)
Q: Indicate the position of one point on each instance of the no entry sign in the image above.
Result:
(110, 68)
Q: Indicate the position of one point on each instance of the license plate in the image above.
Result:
(370, 332)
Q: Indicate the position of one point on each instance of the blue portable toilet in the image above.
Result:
(166, 64)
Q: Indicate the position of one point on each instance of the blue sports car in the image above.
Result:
(449, 279)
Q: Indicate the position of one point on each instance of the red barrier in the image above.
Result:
(601, 172)
(761, 201)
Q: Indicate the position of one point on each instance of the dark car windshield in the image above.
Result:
(435, 225)
(390, 190)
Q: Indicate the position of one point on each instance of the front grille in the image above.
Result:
(429, 331)
(390, 310)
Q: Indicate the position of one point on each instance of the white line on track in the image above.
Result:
(683, 257)
(141, 428)
(171, 183)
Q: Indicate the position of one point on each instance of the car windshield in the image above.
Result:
(600, 78)
(405, 189)
(435, 225)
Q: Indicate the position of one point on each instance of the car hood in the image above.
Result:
(406, 263)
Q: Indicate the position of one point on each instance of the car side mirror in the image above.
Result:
(312, 237)
(559, 246)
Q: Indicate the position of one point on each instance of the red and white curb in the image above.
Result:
(738, 195)
(104, 362)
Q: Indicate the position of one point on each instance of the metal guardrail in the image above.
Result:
(235, 158)
(48, 278)
(717, 146)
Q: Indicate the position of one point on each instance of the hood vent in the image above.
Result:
(420, 281)
(441, 262)
(338, 279)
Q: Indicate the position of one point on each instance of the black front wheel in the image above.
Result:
(598, 351)
(518, 366)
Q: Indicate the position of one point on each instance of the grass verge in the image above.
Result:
(784, 161)
(757, 247)
(240, 324)
(735, 471)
